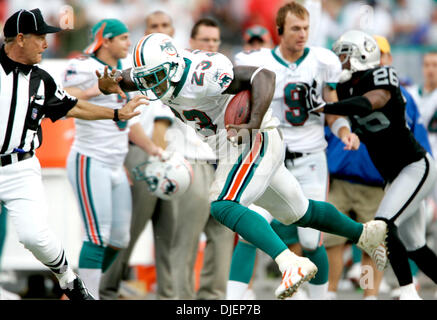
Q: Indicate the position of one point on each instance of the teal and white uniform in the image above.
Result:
(97, 176)
(244, 172)
(303, 132)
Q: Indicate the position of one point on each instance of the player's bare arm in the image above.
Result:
(139, 137)
(88, 111)
(159, 130)
(339, 125)
(262, 89)
(378, 98)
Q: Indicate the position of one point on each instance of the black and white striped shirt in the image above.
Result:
(27, 95)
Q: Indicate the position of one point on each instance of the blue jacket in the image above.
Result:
(356, 166)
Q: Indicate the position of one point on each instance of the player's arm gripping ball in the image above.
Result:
(262, 88)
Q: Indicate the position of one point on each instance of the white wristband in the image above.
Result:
(339, 123)
(255, 73)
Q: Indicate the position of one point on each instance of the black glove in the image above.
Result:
(308, 97)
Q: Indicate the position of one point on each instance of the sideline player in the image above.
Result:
(95, 163)
(294, 63)
(146, 207)
(370, 95)
(21, 187)
(247, 172)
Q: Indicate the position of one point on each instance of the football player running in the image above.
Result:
(198, 86)
(370, 95)
(294, 63)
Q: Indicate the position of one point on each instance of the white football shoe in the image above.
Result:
(373, 241)
(409, 292)
(295, 274)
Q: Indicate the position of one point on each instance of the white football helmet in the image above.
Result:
(168, 179)
(158, 65)
(360, 48)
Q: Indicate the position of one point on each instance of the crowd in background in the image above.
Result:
(410, 26)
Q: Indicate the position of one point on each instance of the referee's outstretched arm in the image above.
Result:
(89, 111)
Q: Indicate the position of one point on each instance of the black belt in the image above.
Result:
(293, 155)
(8, 159)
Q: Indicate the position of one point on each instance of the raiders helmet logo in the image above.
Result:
(369, 46)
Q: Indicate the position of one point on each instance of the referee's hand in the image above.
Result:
(128, 110)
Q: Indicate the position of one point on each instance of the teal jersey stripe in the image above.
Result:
(253, 167)
(183, 78)
(287, 64)
(82, 208)
(90, 198)
(231, 174)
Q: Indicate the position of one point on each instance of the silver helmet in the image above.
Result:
(360, 48)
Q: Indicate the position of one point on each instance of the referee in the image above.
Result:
(27, 95)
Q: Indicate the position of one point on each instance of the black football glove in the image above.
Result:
(308, 97)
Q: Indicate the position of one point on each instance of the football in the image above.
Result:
(238, 109)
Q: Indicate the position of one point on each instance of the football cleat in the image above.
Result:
(299, 271)
(373, 242)
(76, 290)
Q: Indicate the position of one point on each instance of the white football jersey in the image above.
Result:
(198, 100)
(180, 138)
(303, 131)
(427, 105)
(104, 140)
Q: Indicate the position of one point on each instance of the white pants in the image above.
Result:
(258, 175)
(105, 200)
(402, 201)
(22, 192)
(312, 173)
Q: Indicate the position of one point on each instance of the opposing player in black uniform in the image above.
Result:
(371, 97)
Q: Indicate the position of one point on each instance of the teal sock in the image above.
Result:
(288, 234)
(250, 225)
(3, 223)
(91, 256)
(414, 268)
(320, 258)
(109, 257)
(357, 254)
(325, 217)
(243, 262)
